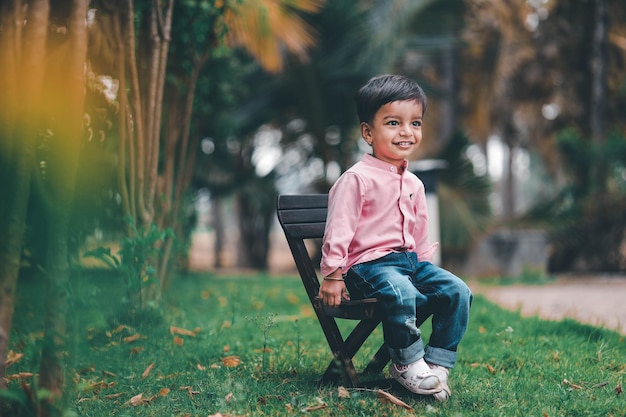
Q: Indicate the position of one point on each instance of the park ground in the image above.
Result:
(597, 300)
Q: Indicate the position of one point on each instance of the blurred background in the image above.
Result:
(189, 118)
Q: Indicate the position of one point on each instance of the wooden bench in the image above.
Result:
(303, 217)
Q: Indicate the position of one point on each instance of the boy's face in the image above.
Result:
(395, 132)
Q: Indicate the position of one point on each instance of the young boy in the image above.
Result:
(376, 241)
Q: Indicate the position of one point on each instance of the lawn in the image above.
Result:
(251, 346)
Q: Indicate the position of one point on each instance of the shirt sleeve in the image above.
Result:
(424, 249)
(345, 201)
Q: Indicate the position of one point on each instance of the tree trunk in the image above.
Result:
(597, 108)
(21, 133)
(69, 72)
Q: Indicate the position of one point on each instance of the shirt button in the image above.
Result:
(392, 169)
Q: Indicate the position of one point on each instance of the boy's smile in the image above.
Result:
(395, 132)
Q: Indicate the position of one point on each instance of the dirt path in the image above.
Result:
(599, 301)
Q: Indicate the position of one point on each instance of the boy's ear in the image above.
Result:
(366, 132)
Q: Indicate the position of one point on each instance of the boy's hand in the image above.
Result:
(333, 290)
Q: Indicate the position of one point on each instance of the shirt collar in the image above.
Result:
(377, 163)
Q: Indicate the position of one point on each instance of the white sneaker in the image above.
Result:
(442, 373)
(416, 377)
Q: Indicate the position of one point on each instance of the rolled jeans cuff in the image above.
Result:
(408, 355)
(439, 356)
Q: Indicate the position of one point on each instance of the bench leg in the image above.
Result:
(343, 353)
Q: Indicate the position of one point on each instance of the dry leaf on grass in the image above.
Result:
(136, 400)
(136, 350)
(343, 393)
(12, 358)
(163, 392)
(139, 399)
(178, 341)
(120, 328)
(385, 397)
(133, 338)
(572, 385)
(148, 370)
(231, 361)
(181, 331)
(229, 397)
(320, 406)
(189, 390)
(21, 375)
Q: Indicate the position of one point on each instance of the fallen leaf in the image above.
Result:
(111, 396)
(491, 369)
(226, 348)
(136, 350)
(163, 392)
(181, 331)
(200, 367)
(189, 391)
(136, 400)
(571, 384)
(342, 392)
(315, 407)
(482, 330)
(229, 397)
(120, 328)
(216, 415)
(385, 397)
(618, 389)
(178, 341)
(147, 371)
(231, 361)
(21, 375)
(133, 338)
(13, 357)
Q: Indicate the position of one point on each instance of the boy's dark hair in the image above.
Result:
(384, 89)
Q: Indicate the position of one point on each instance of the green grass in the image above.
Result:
(508, 365)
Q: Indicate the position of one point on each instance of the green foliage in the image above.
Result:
(30, 401)
(587, 219)
(463, 197)
(136, 262)
(508, 365)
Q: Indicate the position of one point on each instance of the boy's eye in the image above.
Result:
(417, 123)
(393, 123)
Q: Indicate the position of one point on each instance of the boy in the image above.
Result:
(376, 241)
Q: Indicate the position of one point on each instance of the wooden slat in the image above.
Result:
(313, 215)
(305, 230)
(302, 201)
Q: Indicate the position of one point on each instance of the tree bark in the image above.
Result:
(30, 50)
(69, 72)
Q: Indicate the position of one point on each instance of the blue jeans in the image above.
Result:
(408, 288)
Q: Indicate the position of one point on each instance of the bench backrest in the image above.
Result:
(303, 217)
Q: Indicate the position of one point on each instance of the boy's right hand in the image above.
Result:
(333, 291)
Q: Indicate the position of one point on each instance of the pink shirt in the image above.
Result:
(374, 210)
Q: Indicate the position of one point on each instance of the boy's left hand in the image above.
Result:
(332, 292)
